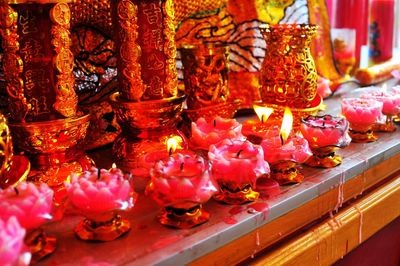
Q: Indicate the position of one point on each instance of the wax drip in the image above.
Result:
(16, 190)
(239, 152)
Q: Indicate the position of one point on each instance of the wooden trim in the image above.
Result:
(326, 243)
(270, 233)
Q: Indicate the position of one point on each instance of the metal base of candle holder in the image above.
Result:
(147, 126)
(389, 125)
(53, 148)
(236, 196)
(40, 244)
(92, 230)
(183, 218)
(324, 157)
(286, 172)
(363, 136)
(17, 172)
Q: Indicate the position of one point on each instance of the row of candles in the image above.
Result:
(227, 160)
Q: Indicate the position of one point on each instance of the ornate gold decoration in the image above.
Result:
(66, 99)
(183, 218)
(171, 74)
(288, 75)
(40, 244)
(126, 24)
(53, 147)
(236, 196)
(272, 11)
(12, 63)
(6, 149)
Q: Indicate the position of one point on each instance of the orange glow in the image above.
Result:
(172, 144)
(263, 113)
(287, 124)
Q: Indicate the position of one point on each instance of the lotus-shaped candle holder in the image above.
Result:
(236, 166)
(12, 248)
(362, 115)
(32, 205)
(180, 184)
(325, 134)
(101, 196)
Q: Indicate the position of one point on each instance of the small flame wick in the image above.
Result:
(262, 119)
(170, 151)
(181, 166)
(239, 152)
(215, 123)
(16, 191)
(98, 174)
(282, 140)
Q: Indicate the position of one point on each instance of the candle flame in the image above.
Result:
(114, 166)
(172, 144)
(263, 113)
(287, 124)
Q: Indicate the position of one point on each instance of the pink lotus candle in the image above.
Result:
(181, 183)
(100, 195)
(206, 133)
(236, 166)
(323, 87)
(31, 204)
(325, 134)
(11, 241)
(381, 23)
(361, 114)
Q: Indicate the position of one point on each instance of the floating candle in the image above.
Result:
(206, 133)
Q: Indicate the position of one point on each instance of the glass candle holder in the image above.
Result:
(284, 156)
(101, 196)
(32, 205)
(236, 166)
(361, 114)
(180, 184)
(390, 108)
(325, 134)
(344, 43)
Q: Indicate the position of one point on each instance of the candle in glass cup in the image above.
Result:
(381, 23)
(206, 133)
(11, 241)
(236, 166)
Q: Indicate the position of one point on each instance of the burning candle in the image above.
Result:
(206, 133)
(361, 114)
(257, 129)
(381, 23)
(325, 134)
(283, 152)
(11, 241)
(181, 183)
(236, 166)
(100, 194)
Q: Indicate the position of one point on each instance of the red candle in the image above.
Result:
(381, 22)
(352, 14)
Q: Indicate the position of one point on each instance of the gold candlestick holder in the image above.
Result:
(146, 127)
(286, 172)
(53, 148)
